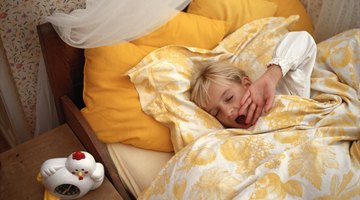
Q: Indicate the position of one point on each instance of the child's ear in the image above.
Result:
(246, 81)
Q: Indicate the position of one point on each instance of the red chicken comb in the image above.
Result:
(78, 155)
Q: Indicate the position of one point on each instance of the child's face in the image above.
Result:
(224, 103)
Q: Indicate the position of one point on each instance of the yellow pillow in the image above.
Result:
(188, 30)
(113, 108)
(235, 12)
(294, 7)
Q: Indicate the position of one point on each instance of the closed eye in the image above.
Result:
(228, 99)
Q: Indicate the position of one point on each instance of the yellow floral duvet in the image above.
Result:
(301, 149)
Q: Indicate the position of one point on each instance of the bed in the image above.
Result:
(194, 169)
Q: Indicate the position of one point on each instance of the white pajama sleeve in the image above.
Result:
(295, 54)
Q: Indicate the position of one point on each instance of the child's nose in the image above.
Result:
(230, 111)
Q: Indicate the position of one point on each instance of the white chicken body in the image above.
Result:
(72, 177)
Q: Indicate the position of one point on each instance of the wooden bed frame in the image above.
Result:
(64, 66)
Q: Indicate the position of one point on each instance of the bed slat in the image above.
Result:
(64, 66)
(87, 137)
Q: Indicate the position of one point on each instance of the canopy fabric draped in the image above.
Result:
(121, 20)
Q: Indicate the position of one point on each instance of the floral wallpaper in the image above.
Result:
(18, 21)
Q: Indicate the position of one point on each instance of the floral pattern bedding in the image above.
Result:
(302, 149)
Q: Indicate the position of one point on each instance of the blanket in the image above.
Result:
(302, 149)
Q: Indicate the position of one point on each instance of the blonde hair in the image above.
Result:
(219, 72)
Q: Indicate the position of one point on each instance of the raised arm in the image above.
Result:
(290, 69)
(295, 54)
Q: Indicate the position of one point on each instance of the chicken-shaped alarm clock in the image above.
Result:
(72, 177)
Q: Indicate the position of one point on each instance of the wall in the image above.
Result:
(18, 21)
(12, 122)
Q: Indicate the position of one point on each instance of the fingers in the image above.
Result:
(245, 97)
(254, 111)
(257, 114)
(268, 104)
(244, 106)
(250, 113)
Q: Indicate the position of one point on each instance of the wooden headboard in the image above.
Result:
(65, 66)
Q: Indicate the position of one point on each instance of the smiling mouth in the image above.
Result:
(241, 120)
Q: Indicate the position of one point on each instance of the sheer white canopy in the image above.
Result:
(105, 22)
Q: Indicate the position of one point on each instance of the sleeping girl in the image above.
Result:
(227, 93)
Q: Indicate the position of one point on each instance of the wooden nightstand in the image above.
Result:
(20, 166)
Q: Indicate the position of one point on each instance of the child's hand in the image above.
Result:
(260, 95)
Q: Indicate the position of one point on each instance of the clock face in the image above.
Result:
(67, 190)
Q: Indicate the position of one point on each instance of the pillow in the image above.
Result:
(235, 12)
(112, 104)
(188, 30)
(294, 7)
(163, 77)
(112, 108)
